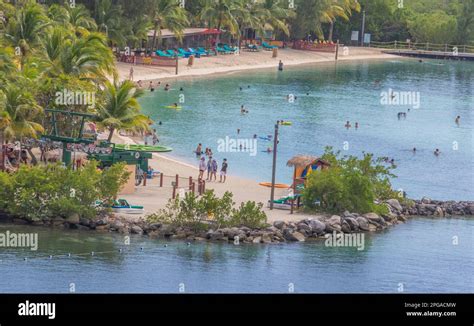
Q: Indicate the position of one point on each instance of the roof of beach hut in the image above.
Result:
(305, 160)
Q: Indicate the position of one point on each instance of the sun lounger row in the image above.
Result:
(180, 52)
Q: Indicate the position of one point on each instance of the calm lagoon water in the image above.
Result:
(350, 91)
(419, 254)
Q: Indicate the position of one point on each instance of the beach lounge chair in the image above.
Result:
(228, 48)
(267, 46)
(201, 53)
(183, 52)
(222, 50)
(251, 47)
(162, 54)
(173, 53)
(209, 52)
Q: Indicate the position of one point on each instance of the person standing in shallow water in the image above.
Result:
(458, 118)
(280, 66)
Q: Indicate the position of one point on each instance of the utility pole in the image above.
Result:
(363, 29)
(275, 145)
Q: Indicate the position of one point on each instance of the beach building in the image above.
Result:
(190, 37)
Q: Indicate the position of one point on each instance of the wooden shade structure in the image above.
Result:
(303, 166)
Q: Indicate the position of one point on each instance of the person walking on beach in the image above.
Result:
(202, 168)
(214, 170)
(280, 66)
(223, 171)
(209, 168)
(130, 77)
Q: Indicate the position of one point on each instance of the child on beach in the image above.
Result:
(202, 168)
(214, 170)
(223, 171)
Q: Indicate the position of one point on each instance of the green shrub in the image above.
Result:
(350, 183)
(249, 214)
(44, 192)
(198, 213)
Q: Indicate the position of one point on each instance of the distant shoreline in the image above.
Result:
(229, 64)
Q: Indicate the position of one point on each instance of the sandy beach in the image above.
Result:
(152, 197)
(222, 64)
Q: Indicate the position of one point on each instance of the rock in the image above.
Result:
(84, 221)
(73, 219)
(345, 227)
(354, 225)
(363, 223)
(266, 238)
(470, 209)
(215, 235)
(116, 225)
(333, 223)
(372, 217)
(102, 221)
(317, 226)
(101, 227)
(81, 227)
(136, 229)
(303, 227)
(347, 214)
(439, 212)
(19, 221)
(279, 224)
(372, 228)
(395, 204)
(402, 218)
(426, 200)
(294, 236)
(257, 240)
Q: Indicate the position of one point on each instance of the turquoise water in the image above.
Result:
(350, 91)
(418, 257)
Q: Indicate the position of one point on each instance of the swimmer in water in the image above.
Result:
(242, 109)
(240, 88)
(175, 105)
(238, 131)
(414, 150)
(347, 125)
(254, 136)
(458, 118)
(167, 87)
(269, 150)
(150, 87)
(356, 125)
(181, 89)
(437, 152)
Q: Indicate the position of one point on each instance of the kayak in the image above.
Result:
(277, 185)
(173, 107)
(286, 123)
(143, 148)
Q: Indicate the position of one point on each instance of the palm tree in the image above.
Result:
(18, 112)
(79, 17)
(120, 108)
(167, 14)
(222, 14)
(108, 20)
(85, 57)
(25, 29)
(348, 6)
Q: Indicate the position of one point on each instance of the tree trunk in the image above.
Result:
(2, 159)
(111, 133)
(34, 161)
(155, 29)
(331, 30)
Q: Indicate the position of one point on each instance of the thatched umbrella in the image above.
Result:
(300, 162)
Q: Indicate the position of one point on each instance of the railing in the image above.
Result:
(435, 47)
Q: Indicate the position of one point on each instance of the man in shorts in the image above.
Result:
(223, 171)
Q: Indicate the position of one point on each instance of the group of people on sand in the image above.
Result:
(348, 125)
(211, 166)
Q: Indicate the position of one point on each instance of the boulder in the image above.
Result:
(373, 217)
(363, 223)
(372, 228)
(345, 227)
(279, 224)
(426, 200)
(19, 221)
(438, 212)
(352, 223)
(73, 219)
(266, 238)
(84, 221)
(395, 204)
(317, 226)
(102, 221)
(116, 225)
(303, 227)
(135, 229)
(294, 236)
(333, 223)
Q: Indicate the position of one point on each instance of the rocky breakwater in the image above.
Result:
(438, 208)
